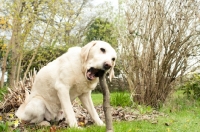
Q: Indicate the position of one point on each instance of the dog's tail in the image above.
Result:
(19, 113)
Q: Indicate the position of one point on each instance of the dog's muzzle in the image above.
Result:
(92, 73)
(106, 65)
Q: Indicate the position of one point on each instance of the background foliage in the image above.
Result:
(101, 29)
(191, 87)
(2, 48)
(44, 55)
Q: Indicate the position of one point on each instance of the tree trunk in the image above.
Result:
(15, 46)
(4, 65)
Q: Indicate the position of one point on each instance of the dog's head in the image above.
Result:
(98, 56)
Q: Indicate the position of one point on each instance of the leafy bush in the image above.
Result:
(44, 55)
(192, 87)
(101, 30)
(121, 99)
(3, 91)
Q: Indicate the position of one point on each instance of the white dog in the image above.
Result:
(74, 74)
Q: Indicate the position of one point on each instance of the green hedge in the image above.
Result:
(44, 56)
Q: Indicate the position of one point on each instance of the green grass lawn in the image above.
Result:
(175, 122)
(97, 98)
(183, 115)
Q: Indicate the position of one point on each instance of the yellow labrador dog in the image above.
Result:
(72, 75)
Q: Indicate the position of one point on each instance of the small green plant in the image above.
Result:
(144, 109)
(192, 87)
(121, 99)
(3, 91)
(4, 127)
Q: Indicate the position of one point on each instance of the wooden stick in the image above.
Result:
(106, 102)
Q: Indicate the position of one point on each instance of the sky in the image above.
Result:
(113, 2)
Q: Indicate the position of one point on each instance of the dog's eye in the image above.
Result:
(103, 50)
(113, 59)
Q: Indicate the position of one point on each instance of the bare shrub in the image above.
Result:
(158, 38)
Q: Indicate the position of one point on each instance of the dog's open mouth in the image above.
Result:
(92, 73)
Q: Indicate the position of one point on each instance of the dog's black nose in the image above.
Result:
(106, 65)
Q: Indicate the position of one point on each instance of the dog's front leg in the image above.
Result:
(63, 95)
(88, 104)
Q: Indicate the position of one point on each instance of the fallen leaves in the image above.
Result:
(53, 129)
(167, 124)
(118, 114)
(83, 117)
(11, 119)
(81, 124)
(16, 96)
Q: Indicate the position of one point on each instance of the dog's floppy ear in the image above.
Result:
(85, 51)
(111, 72)
(84, 54)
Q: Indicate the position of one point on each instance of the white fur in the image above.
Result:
(64, 79)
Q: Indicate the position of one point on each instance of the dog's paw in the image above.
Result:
(44, 123)
(100, 123)
(72, 123)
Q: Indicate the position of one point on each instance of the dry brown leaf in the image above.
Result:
(53, 129)
(81, 124)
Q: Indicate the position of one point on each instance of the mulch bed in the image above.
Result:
(83, 118)
(16, 96)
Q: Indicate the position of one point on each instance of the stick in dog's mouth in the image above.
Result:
(92, 73)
